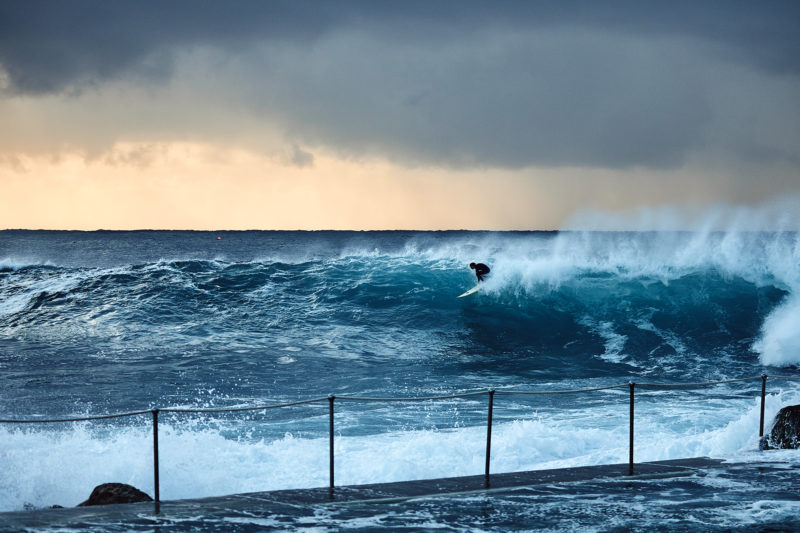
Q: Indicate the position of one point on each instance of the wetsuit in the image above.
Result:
(481, 270)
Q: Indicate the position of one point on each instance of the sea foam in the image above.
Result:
(45, 467)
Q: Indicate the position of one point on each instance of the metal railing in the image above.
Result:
(631, 386)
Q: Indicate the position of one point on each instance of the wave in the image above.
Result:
(696, 274)
(623, 297)
(535, 256)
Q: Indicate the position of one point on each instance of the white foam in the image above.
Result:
(50, 466)
(614, 341)
(759, 244)
(779, 342)
(775, 215)
(47, 467)
(16, 263)
(757, 513)
(62, 282)
(14, 304)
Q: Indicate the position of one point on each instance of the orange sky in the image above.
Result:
(195, 186)
(205, 187)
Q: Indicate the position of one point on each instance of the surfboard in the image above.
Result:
(473, 290)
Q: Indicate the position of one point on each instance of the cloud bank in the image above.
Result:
(614, 85)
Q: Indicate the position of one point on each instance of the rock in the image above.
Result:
(31, 507)
(785, 433)
(109, 493)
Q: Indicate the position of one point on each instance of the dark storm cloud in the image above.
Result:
(462, 83)
(45, 45)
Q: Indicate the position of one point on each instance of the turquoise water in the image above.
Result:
(94, 323)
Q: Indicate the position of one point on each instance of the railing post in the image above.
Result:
(331, 397)
(630, 438)
(489, 439)
(763, 397)
(155, 462)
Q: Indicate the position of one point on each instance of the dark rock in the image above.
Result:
(109, 493)
(785, 433)
(31, 507)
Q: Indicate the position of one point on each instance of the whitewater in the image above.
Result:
(95, 323)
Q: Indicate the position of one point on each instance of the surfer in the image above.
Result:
(480, 270)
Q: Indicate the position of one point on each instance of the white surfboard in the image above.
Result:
(473, 290)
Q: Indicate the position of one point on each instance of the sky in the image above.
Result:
(362, 115)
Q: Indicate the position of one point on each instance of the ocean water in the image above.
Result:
(95, 323)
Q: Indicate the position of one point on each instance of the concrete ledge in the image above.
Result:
(373, 493)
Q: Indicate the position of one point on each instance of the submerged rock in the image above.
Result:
(31, 507)
(785, 433)
(109, 493)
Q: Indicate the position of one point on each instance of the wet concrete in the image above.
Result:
(372, 493)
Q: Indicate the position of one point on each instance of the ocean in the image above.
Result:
(97, 323)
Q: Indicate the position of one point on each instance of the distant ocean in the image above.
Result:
(95, 323)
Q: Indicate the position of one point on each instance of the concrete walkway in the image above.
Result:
(373, 493)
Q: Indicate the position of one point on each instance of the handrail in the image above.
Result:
(81, 419)
(331, 398)
(240, 409)
(692, 385)
(371, 399)
(576, 391)
(419, 399)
